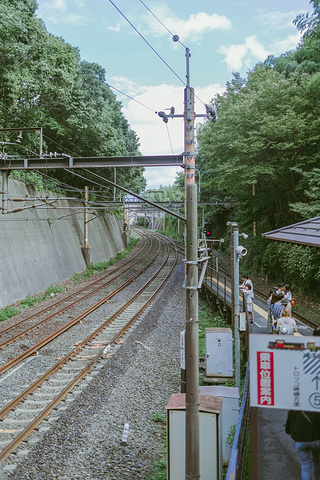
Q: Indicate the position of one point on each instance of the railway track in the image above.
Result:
(13, 333)
(24, 413)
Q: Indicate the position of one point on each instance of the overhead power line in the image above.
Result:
(146, 41)
(160, 21)
(45, 136)
(131, 98)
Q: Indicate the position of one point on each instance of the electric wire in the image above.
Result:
(131, 98)
(158, 55)
(45, 136)
(146, 41)
(169, 138)
(160, 22)
(78, 190)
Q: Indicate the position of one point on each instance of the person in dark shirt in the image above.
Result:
(304, 429)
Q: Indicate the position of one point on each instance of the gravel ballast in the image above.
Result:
(130, 387)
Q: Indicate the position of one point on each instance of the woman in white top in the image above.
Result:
(286, 324)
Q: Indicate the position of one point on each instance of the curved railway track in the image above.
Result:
(45, 315)
(20, 416)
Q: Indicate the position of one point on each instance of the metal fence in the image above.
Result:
(238, 459)
(218, 281)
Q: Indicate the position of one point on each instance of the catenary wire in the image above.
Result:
(160, 22)
(169, 138)
(146, 41)
(48, 138)
(158, 55)
(131, 98)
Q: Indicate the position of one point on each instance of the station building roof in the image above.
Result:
(303, 233)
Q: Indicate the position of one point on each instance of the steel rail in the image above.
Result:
(47, 410)
(72, 322)
(58, 312)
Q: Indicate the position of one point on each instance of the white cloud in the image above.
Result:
(193, 29)
(116, 28)
(63, 11)
(237, 55)
(277, 19)
(74, 19)
(57, 4)
(288, 43)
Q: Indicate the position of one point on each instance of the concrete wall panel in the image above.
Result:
(38, 248)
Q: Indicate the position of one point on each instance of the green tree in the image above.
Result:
(43, 82)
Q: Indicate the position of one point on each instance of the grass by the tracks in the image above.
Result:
(160, 470)
(100, 266)
(31, 300)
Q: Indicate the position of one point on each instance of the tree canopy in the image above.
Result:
(44, 82)
(263, 151)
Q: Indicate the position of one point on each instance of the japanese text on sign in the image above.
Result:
(265, 378)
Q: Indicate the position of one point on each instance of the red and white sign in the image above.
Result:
(265, 378)
(285, 372)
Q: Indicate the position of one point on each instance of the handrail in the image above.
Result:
(237, 463)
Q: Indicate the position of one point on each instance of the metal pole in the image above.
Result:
(40, 148)
(5, 179)
(236, 306)
(192, 350)
(232, 277)
(86, 197)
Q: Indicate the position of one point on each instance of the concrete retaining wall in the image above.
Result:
(38, 248)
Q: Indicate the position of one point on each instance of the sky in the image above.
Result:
(132, 41)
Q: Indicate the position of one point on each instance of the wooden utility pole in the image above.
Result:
(192, 465)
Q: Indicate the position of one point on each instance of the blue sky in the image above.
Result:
(223, 37)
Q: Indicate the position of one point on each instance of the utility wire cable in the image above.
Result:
(146, 41)
(158, 55)
(48, 138)
(160, 22)
(131, 98)
(169, 138)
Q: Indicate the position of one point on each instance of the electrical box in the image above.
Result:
(243, 322)
(219, 352)
(210, 437)
(229, 413)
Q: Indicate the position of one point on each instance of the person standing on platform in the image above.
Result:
(247, 288)
(288, 296)
(281, 289)
(286, 325)
(304, 429)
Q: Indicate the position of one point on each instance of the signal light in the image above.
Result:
(206, 229)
